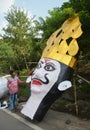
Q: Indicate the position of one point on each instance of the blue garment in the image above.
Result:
(13, 98)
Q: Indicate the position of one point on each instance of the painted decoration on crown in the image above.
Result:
(55, 69)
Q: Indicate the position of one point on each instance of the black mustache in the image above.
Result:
(44, 82)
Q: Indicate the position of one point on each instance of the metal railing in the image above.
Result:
(83, 79)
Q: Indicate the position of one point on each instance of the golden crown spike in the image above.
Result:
(57, 47)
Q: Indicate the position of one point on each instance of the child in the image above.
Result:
(28, 80)
(12, 84)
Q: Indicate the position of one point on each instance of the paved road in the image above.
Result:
(11, 121)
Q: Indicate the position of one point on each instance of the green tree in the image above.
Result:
(79, 5)
(19, 33)
(7, 57)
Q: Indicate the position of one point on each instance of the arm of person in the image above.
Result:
(20, 81)
(9, 85)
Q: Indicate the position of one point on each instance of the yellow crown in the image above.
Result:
(57, 47)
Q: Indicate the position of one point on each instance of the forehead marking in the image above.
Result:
(46, 60)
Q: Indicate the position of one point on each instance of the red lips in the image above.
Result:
(36, 82)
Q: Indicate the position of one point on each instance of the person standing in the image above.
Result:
(28, 80)
(12, 84)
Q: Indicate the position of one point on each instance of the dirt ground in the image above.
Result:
(54, 120)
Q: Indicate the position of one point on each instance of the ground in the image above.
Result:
(54, 120)
(60, 117)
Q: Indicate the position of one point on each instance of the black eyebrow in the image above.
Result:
(50, 63)
(42, 62)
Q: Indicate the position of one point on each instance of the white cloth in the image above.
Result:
(28, 80)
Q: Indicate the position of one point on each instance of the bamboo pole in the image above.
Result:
(75, 95)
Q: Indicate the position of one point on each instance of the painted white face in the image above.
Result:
(45, 75)
(42, 80)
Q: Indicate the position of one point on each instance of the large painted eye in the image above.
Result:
(49, 68)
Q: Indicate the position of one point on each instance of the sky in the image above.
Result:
(36, 8)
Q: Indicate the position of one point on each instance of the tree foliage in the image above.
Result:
(19, 33)
(7, 57)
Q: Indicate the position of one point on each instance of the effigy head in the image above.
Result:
(55, 69)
